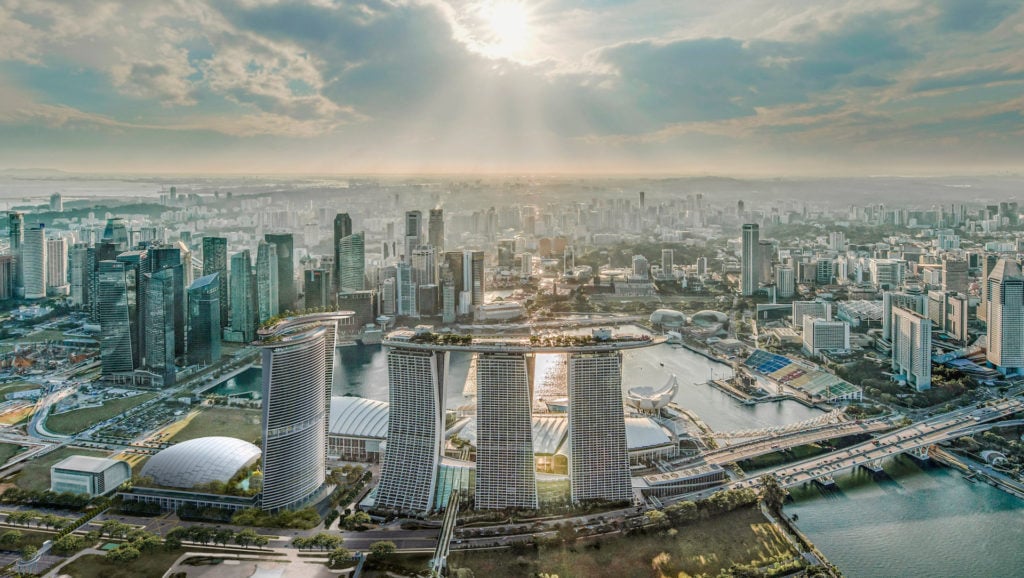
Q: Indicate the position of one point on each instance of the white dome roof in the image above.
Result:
(200, 461)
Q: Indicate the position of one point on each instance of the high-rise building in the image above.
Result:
(161, 289)
(176, 259)
(1006, 317)
(911, 300)
(136, 266)
(16, 227)
(204, 329)
(506, 253)
(785, 281)
(215, 260)
(641, 267)
(415, 429)
(116, 232)
(266, 281)
(803, 309)
(435, 230)
(413, 233)
(750, 263)
(598, 461)
(243, 298)
(6, 277)
(94, 256)
(342, 229)
(886, 274)
(954, 275)
(473, 276)
(667, 261)
(821, 335)
(988, 263)
(765, 255)
(702, 266)
(298, 369)
(957, 317)
(117, 347)
(911, 347)
(424, 265)
(505, 469)
(57, 266)
(33, 253)
(286, 292)
(57, 203)
(81, 272)
(317, 285)
(405, 291)
(352, 264)
(448, 299)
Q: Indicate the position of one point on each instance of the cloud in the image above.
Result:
(974, 15)
(967, 78)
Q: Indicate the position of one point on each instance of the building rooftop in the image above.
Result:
(200, 461)
(85, 464)
(644, 432)
(600, 340)
(359, 417)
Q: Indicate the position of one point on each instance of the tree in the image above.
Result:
(260, 541)
(382, 549)
(246, 537)
(10, 538)
(773, 495)
(223, 536)
(68, 543)
(662, 564)
(123, 553)
(338, 556)
(115, 529)
(658, 518)
(28, 552)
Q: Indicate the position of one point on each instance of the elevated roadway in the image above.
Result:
(761, 446)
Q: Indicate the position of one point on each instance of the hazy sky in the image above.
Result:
(682, 86)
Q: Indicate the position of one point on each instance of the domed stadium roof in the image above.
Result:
(200, 461)
(668, 318)
(708, 317)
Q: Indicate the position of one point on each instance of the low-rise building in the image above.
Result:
(88, 475)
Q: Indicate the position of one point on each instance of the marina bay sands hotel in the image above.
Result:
(411, 479)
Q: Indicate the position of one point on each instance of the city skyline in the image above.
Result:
(752, 88)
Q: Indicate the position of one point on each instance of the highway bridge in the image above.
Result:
(766, 445)
(913, 439)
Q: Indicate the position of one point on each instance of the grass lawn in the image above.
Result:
(72, 422)
(151, 565)
(778, 458)
(17, 416)
(8, 451)
(14, 386)
(222, 421)
(36, 473)
(742, 536)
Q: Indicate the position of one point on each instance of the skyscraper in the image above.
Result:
(81, 272)
(136, 266)
(342, 229)
(1006, 317)
(298, 369)
(243, 298)
(598, 462)
(954, 275)
(266, 281)
(204, 329)
(286, 292)
(57, 266)
(116, 344)
(424, 265)
(215, 260)
(33, 252)
(912, 347)
(765, 253)
(413, 232)
(16, 227)
(415, 429)
(435, 230)
(405, 291)
(473, 276)
(160, 331)
(785, 281)
(505, 469)
(177, 260)
(317, 288)
(116, 232)
(352, 264)
(750, 267)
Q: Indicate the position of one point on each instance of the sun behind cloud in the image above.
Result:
(505, 28)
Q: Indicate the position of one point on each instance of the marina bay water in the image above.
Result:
(914, 521)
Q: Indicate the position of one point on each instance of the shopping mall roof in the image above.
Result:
(644, 432)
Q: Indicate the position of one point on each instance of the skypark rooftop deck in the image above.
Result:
(599, 341)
